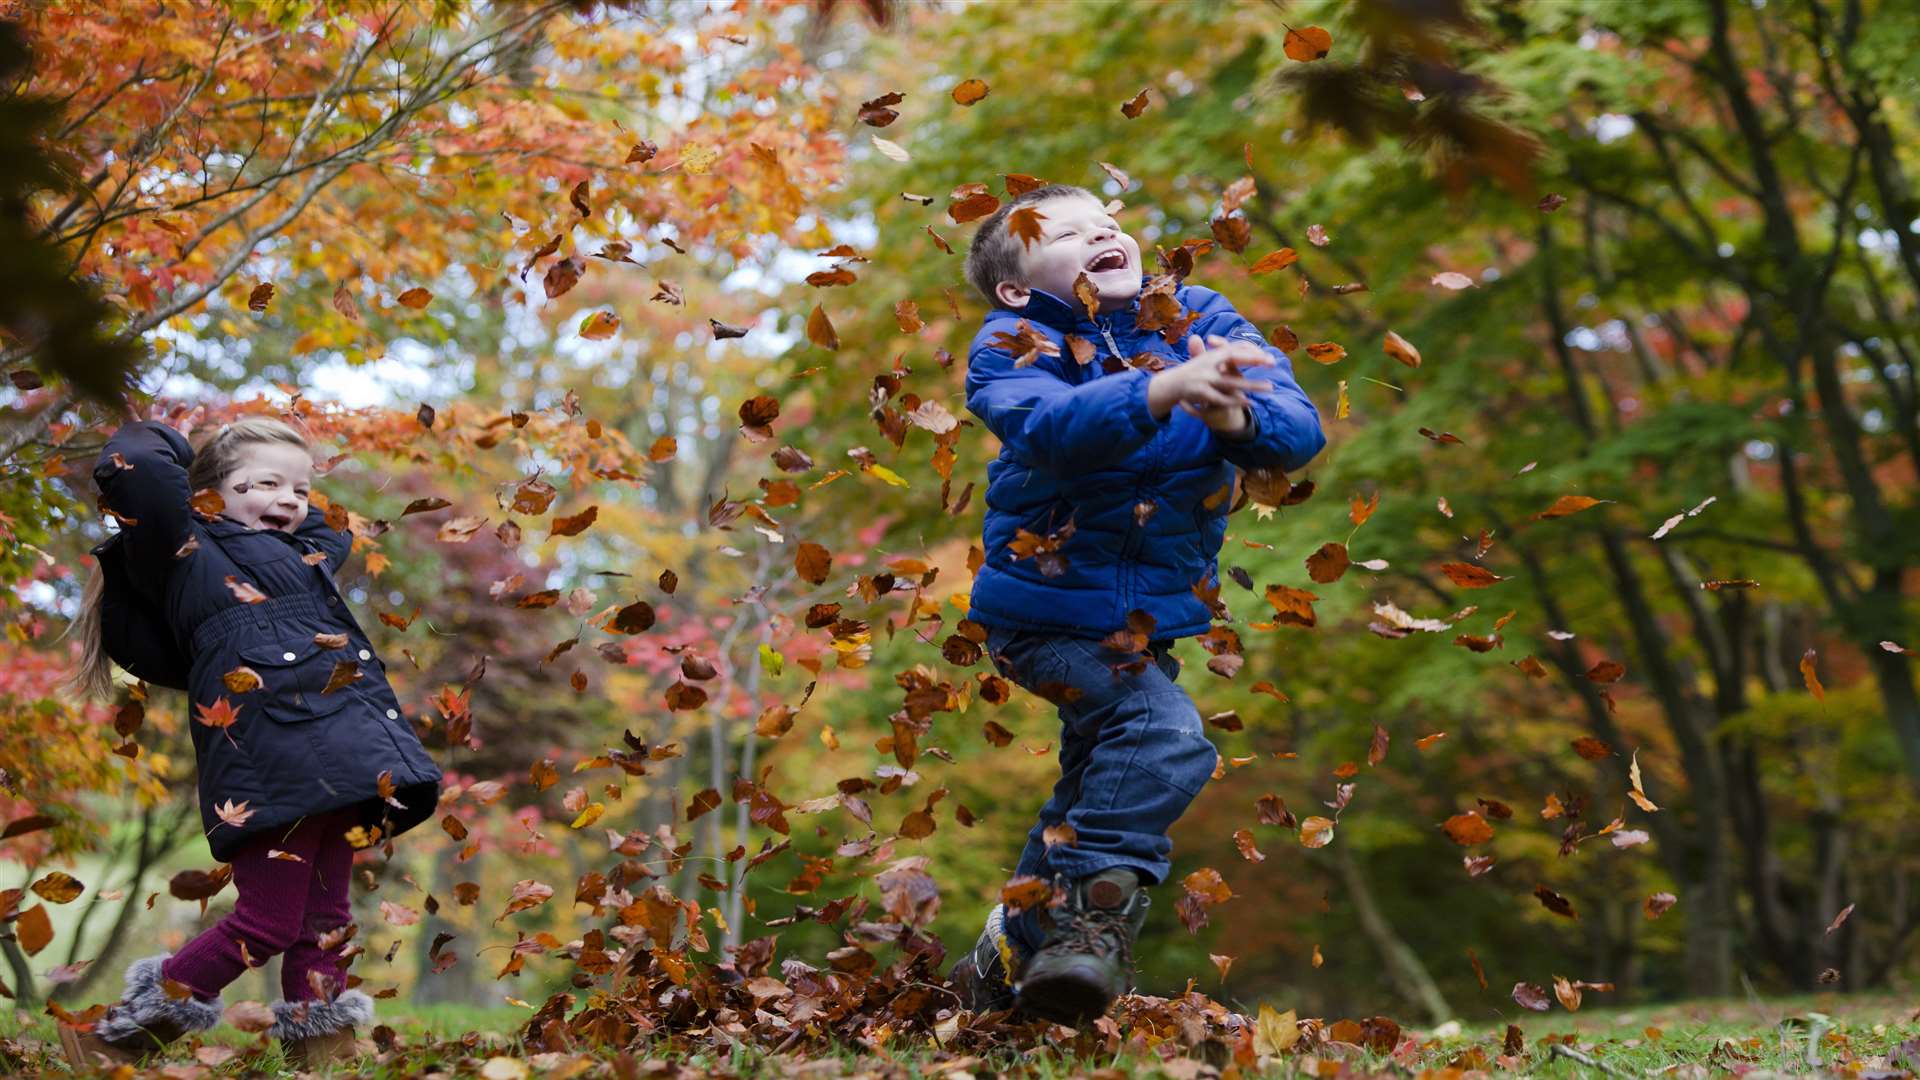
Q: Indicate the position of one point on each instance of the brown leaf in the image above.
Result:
(563, 276)
(415, 298)
(241, 680)
(1831, 927)
(260, 297)
(61, 888)
(578, 199)
(1531, 996)
(574, 524)
(820, 329)
(1326, 352)
(1470, 575)
(345, 673)
(1555, 903)
(1293, 607)
(1328, 564)
(1591, 748)
(757, 415)
(879, 111)
(1024, 225)
(344, 303)
(1657, 904)
(813, 562)
(1133, 108)
(1567, 504)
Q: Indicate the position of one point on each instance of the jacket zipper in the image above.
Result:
(1128, 583)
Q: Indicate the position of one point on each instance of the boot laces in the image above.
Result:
(1099, 931)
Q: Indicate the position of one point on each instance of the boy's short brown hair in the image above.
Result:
(994, 255)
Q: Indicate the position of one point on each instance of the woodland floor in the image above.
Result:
(1866, 1036)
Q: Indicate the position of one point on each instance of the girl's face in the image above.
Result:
(268, 487)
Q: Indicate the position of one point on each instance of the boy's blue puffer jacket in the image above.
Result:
(1078, 444)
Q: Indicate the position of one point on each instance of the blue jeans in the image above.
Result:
(1132, 756)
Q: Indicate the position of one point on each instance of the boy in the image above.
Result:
(1105, 514)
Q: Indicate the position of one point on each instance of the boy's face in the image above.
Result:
(1077, 236)
(268, 488)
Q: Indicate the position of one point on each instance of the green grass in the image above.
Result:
(1816, 1033)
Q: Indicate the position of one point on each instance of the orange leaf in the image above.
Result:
(415, 298)
(1307, 45)
(1274, 260)
(1811, 676)
(969, 92)
(1402, 350)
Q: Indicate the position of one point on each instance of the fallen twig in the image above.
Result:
(1568, 1052)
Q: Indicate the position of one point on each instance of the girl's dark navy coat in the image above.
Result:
(294, 749)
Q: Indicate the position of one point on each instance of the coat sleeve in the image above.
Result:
(142, 477)
(335, 544)
(1286, 425)
(1052, 424)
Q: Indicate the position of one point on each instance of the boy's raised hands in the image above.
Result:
(1209, 384)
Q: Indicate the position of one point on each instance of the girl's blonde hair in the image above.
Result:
(214, 461)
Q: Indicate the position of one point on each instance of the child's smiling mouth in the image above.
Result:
(1108, 260)
(275, 521)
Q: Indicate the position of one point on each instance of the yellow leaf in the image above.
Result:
(589, 815)
(1275, 1032)
(696, 159)
(887, 474)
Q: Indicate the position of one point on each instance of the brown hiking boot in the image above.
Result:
(982, 977)
(1087, 960)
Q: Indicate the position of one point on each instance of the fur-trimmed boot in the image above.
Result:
(145, 1019)
(316, 1033)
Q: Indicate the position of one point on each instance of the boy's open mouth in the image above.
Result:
(275, 521)
(1110, 259)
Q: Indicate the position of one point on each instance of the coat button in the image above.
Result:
(365, 655)
(392, 715)
(286, 656)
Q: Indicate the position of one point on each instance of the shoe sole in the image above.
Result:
(1064, 1000)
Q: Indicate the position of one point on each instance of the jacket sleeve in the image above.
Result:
(1286, 425)
(335, 544)
(1054, 425)
(142, 477)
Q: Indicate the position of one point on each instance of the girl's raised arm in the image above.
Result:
(142, 476)
(336, 543)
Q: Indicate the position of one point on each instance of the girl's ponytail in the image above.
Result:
(94, 678)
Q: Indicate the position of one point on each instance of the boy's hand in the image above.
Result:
(1209, 384)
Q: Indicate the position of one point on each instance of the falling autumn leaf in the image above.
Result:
(1307, 44)
(1811, 676)
(1133, 108)
(1402, 350)
(820, 329)
(969, 92)
(1452, 279)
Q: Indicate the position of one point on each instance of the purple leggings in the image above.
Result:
(283, 908)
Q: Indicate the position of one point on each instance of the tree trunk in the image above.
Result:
(1409, 975)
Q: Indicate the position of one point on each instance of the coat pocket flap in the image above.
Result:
(280, 654)
(308, 705)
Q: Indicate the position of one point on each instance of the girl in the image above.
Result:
(299, 738)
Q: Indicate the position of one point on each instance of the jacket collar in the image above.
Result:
(1049, 310)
